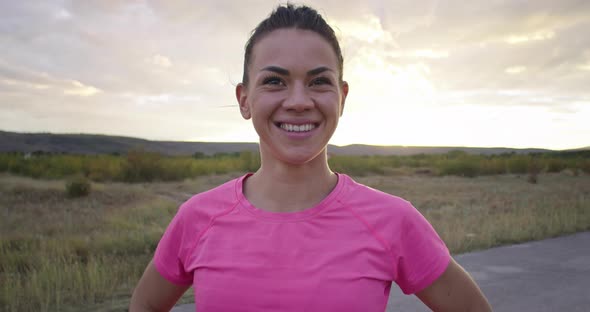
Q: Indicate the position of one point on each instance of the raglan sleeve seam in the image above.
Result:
(200, 234)
(440, 256)
(163, 268)
(374, 234)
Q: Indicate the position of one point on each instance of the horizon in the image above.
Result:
(483, 74)
(337, 145)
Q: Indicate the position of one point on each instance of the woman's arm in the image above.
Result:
(454, 290)
(154, 292)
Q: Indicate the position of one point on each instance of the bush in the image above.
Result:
(534, 170)
(78, 186)
(142, 166)
(250, 161)
(519, 164)
(465, 167)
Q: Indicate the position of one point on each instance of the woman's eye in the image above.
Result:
(272, 81)
(321, 81)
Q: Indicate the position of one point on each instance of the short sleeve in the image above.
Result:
(170, 254)
(423, 256)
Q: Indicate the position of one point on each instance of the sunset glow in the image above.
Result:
(420, 73)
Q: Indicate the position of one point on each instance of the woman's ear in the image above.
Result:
(242, 97)
(343, 94)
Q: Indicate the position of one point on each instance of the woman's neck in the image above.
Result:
(281, 187)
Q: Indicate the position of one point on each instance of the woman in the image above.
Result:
(295, 236)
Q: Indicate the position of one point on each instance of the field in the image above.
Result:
(68, 254)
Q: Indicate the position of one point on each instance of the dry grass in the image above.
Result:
(59, 253)
(67, 254)
(483, 212)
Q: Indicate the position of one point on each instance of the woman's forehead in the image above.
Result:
(293, 48)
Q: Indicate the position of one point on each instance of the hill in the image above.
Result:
(360, 149)
(104, 144)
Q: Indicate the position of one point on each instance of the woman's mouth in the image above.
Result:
(297, 128)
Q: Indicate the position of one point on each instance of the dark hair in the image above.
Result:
(290, 16)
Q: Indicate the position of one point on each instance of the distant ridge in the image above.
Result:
(103, 144)
(360, 149)
(91, 144)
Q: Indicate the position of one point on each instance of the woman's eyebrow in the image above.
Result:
(276, 69)
(319, 70)
(285, 72)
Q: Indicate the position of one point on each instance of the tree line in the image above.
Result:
(143, 166)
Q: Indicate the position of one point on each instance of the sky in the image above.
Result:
(483, 73)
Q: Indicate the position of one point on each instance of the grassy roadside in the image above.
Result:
(483, 212)
(63, 254)
(59, 254)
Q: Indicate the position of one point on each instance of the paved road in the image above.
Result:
(549, 275)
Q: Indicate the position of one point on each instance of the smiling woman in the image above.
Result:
(293, 87)
(295, 236)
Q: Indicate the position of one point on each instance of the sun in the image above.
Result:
(385, 101)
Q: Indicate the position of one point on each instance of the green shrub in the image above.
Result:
(556, 165)
(142, 166)
(78, 186)
(518, 164)
(534, 170)
(466, 166)
(490, 166)
(358, 165)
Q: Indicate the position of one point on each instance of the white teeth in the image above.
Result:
(297, 128)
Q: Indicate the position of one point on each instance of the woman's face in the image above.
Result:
(293, 96)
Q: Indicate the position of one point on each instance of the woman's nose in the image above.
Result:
(298, 98)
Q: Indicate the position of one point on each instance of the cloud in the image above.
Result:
(141, 63)
(80, 89)
(536, 36)
(24, 81)
(515, 70)
(160, 60)
(429, 53)
(367, 29)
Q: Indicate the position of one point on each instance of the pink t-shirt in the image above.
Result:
(340, 255)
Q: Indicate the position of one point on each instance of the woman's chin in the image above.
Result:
(299, 156)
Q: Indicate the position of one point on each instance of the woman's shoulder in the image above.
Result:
(212, 201)
(364, 195)
(378, 208)
(227, 188)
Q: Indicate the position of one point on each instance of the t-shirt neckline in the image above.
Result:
(288, 216)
